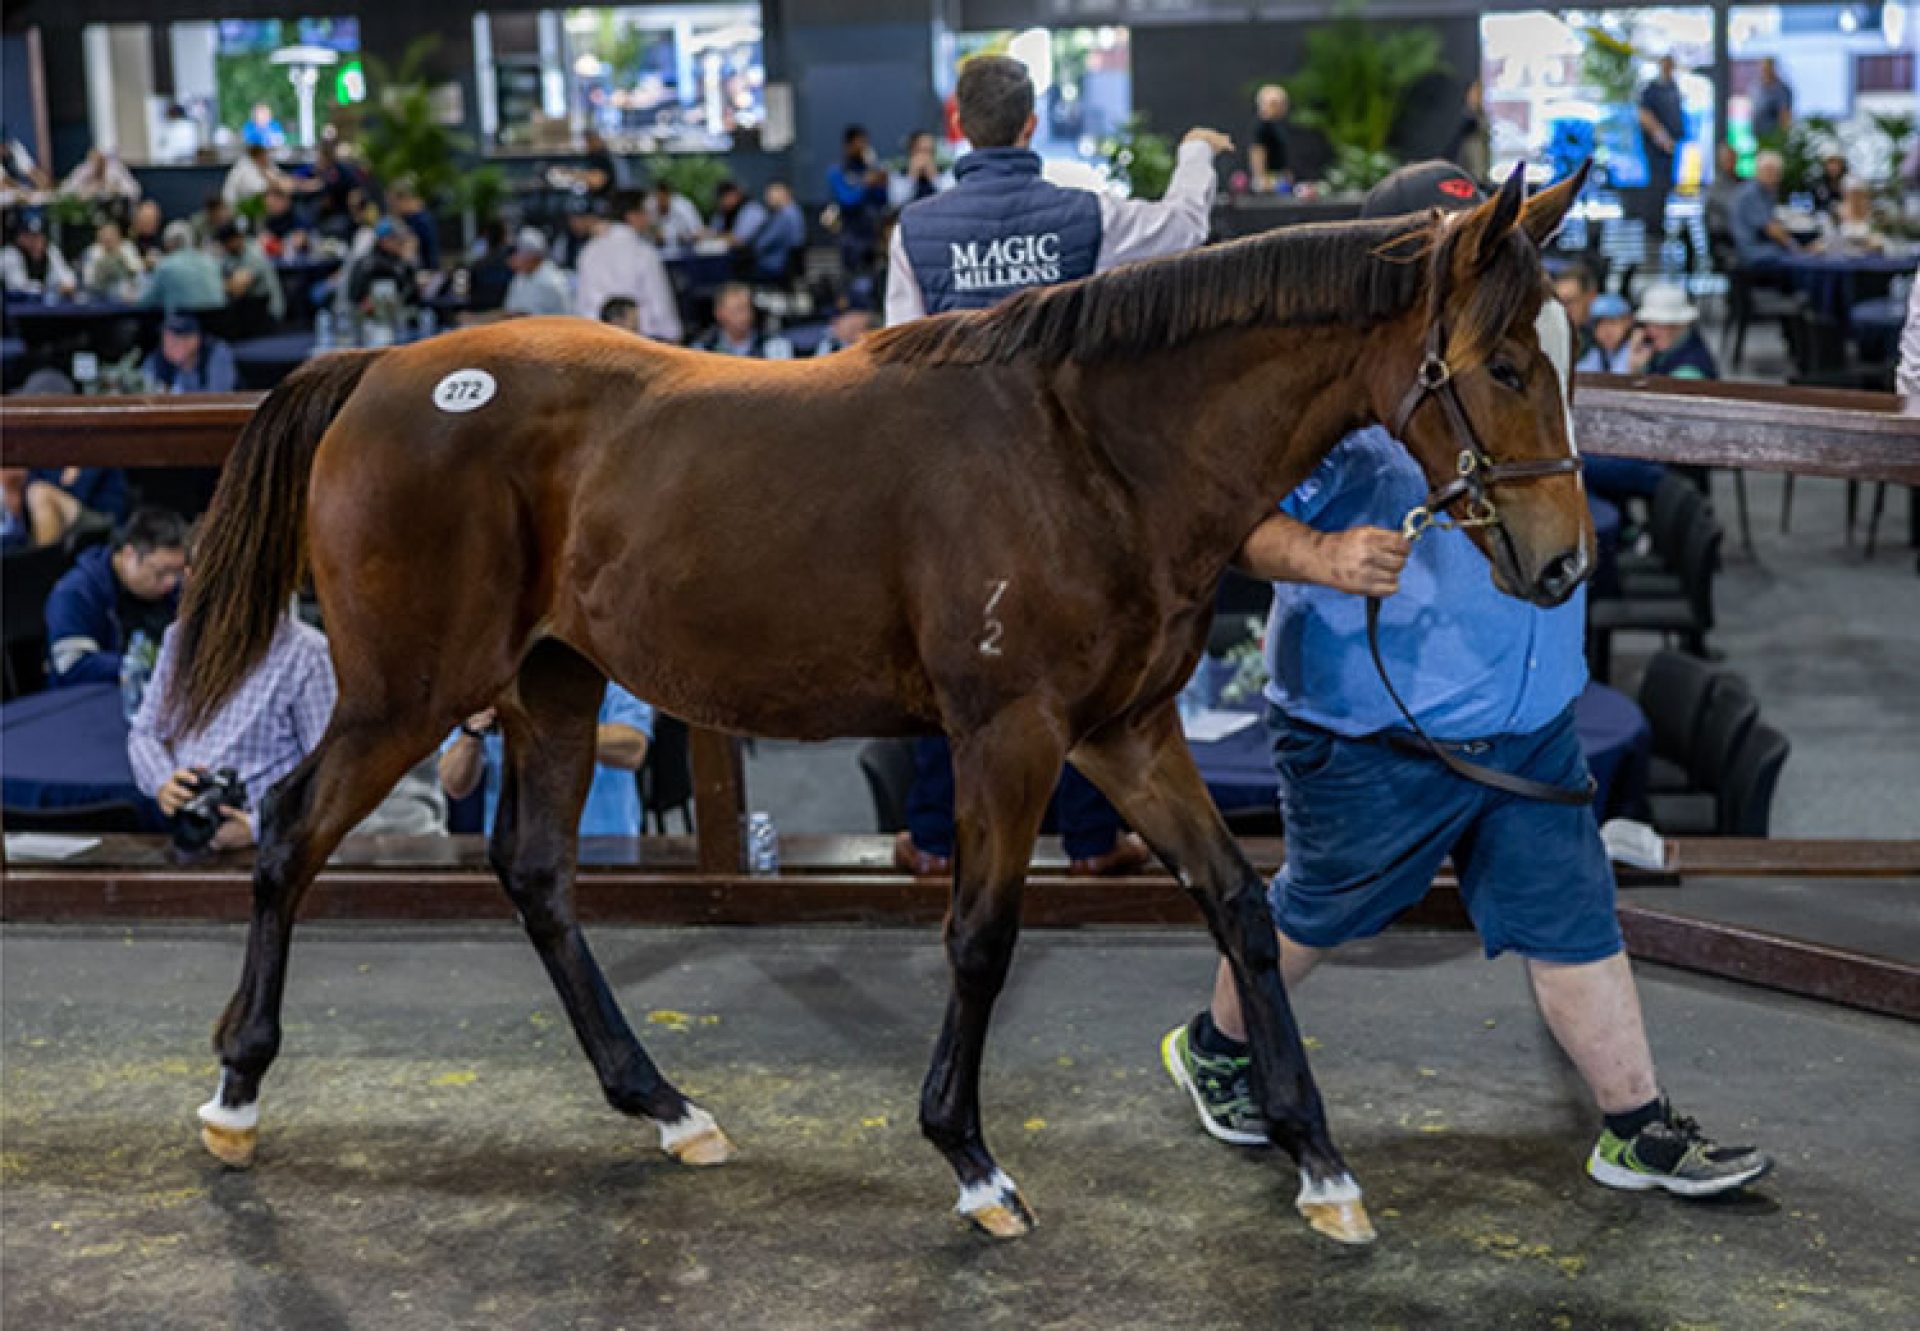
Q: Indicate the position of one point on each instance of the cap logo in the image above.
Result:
(1456, 187)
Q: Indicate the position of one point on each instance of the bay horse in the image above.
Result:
(1006, 526)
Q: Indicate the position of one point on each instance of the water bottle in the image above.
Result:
(763, 845)
(323, 331)
(429, 322)
(776, 348)
(136, 667)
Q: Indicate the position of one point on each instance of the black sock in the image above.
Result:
(1208, 1039)
(1628, 1124)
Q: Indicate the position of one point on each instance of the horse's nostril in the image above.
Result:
(1563, 573)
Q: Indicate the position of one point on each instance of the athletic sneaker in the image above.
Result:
(1674, 1154)
(1221, 1086)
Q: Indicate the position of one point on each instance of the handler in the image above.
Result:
(1001, 229)
(1368, 824)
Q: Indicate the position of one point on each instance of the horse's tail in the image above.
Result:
(251, 547)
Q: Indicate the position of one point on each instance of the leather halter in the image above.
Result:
(1476, 471)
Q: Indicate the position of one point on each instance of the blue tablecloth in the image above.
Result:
(36, 322)
(262, 362)
(1876, 328)
(1835, 283)
(1614, 734)
(67, 747)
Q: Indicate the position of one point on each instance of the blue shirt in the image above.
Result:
(1470, 660)
(613, 800)
(1752, 214)
(775, 238)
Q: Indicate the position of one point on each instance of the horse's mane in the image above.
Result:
(1353, 274)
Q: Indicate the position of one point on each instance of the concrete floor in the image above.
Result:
(435, 1153)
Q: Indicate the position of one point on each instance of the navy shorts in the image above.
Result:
(1368, 826)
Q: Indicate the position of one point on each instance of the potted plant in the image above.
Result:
(1140, 159)
(402, 138)
(1353, 85)
(698, 176)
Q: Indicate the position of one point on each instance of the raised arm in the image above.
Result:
(1133, 229)
(1365, 561)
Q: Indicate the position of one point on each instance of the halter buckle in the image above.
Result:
(1480, 513)
(1468, 462)
(1434, 372)
(1415, 523)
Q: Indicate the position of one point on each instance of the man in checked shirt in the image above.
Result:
(273, 722)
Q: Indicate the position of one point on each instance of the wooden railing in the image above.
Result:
(1858, 436)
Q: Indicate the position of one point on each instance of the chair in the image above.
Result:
(666, 777)
(1674, 692)
(887, 764)
(1823, 358)
(1677, 506)
(111, 818)
(1746, 790)
(1688, 617)
(1730, 713)
(1747, 300)
(26, 577)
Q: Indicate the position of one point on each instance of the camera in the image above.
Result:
(199, 818)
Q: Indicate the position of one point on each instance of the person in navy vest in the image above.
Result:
(112, 592)
(1369, 819)
(1000, 229)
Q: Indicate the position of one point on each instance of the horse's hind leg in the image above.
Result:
(1143, 766)
(299, 823)
(1004, 775)
(550, 721)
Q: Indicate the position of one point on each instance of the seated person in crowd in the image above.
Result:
(735, 213)
(922, 178)
(1576, 284)
(775, 241)
(187, 278)
(852, 321)
(621, 312)
(33, 266)
(274, 720)
(282, 234)
(388, 261)
(1608, 350)
(675, 221)
(1760, 240)
(1830, 184)
(408, 208)
(1853, 228)
(247, 273)
(734, 332)
(1669, 341)
(539, 286)
(101, 175)
(32, 512)
(474, 752)
(334, 182)
(490, 268)
(1720, 195)
(262, 129)
(111, 268)
(112, 592)
(252, 174)
(145, 232)
(60, 499)
(214, 213)
(189, 361)
(615, 260)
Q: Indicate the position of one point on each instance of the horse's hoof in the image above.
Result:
(696, 1139)
(230, 1132)
(1333, 1207)
(996, 1208)
(232, 1147)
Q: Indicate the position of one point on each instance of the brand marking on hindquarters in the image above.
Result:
(995, 630)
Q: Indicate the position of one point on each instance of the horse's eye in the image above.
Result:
(1506, 376)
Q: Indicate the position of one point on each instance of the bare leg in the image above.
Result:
(1004, 775)
(1144, 767)
(550, 728)
(1593, 1010)
(1297, 961)
(301, 821)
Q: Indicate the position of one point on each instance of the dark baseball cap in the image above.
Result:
(181, 325)
(1420, 186)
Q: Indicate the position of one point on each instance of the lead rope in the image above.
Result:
(1478, 773)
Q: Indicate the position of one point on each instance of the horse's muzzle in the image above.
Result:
(1560, 576)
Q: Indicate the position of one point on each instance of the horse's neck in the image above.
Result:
(1209, 436)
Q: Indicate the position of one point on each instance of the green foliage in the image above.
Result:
(1897, 129)
(481, 192)
(696, 175)
(1140, 159)
(1354, 82)
(1610, 65)
(1801, 147)
(1356, 170)
(402, 139)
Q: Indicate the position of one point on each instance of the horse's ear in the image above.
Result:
(1548, 209)
(1496, 218)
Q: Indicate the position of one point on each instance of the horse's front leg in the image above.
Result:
(1143, 765)
(1003, 776)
